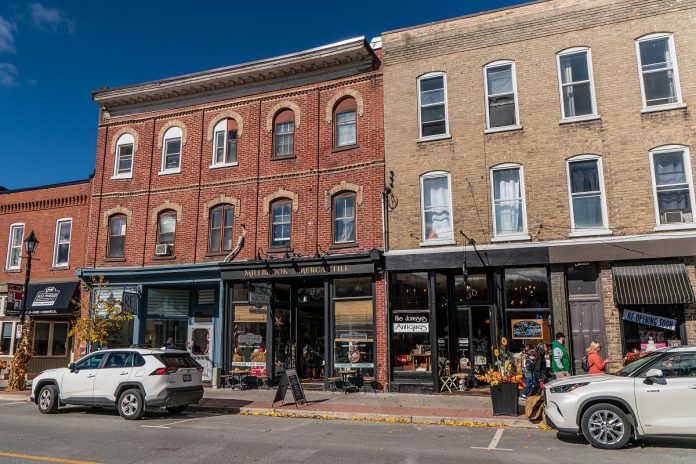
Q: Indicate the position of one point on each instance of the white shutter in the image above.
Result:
(3, 305)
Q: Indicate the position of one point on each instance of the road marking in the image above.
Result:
(493, 446)
(167, 426)
(44, 458)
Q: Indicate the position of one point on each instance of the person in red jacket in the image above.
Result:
(594, 359)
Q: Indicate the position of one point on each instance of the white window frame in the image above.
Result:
(604, 230)
(425, 241)
(172, 133)
(51, 333)
(125, 139)
(9, 247)
(689, 179)
(3, 305)
(221, 126)
(590, 75)
(13, 339)
(524, 235)
(675, 68)
(518, 124)
(56, 242)
(446, 135)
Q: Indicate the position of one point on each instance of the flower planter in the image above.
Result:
(504, 399)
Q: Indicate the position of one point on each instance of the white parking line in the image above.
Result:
(168, 425)
(493, 446)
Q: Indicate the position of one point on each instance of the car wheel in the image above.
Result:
(48, 400)
(131, 405)
(606, 427)
(177, 409)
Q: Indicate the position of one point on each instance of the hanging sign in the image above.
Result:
(649, 319)
(260, 294)
(15, 293)
(130, 302)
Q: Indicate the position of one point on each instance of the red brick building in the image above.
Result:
(58, 215)
(264, 175)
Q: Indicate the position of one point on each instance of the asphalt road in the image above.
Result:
(81, 435)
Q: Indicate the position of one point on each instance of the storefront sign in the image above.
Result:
(410, 323)
(354, 365)
(297, 270)
(649, 319)
(130, 302)
(260, 294)
(46, 297)
(15, 293)
(249, 339)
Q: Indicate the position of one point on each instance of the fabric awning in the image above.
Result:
(50, 298)
(659, 282)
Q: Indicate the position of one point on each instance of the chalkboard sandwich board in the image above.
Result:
(290, 380)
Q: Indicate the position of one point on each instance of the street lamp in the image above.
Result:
(30, 244)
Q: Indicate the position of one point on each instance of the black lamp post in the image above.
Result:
(30, 244)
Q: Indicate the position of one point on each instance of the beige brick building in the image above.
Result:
(557, 136)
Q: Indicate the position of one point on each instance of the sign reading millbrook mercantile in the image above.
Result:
(649, 319)
(307, 270)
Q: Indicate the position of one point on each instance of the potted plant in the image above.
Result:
(504, 382)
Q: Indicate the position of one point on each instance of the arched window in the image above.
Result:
(281, 223)
(221, 228)
(225, 143)
(284, 134)
(166, 228)
(123, 166)
(116, 245)
(171, 151)
(345, 123)
(344, 218)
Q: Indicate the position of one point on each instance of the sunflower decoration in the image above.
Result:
(496, 352)
(504, 370)
(504, 341)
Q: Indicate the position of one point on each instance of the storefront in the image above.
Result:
(315, 315)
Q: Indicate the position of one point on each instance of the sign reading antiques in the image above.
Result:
(649, 319)
(410, 323)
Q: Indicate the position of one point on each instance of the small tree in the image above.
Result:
(23, 354)
(101, 314)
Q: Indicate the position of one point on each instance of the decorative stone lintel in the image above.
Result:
(125, 130)
(118, 209)
(343, 187)
(222, 200)
(164, 207)
(281, 193)
(169, 125)
(283, 105)
(229, 114)
(331, 104)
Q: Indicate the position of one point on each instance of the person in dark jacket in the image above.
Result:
(540, 369)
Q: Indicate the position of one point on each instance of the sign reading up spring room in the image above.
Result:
(649, 319)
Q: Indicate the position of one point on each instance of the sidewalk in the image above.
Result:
(404, 408)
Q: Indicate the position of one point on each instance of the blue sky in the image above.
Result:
(54, 53)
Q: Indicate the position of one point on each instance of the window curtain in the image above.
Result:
(508, 199)
(437, 208)
(345, 220)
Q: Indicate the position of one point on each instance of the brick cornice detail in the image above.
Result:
(167, 126)
(229, 114)
(167, 205)
(118, 209)
(222, 200)
(281, 193)
(125, 130)
(280, 106)
(331, 104)
(343, 187)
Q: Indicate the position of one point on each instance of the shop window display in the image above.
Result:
(249, 339)
(651, 327)
(473, 290)
(526, 288)
(410, 320)
(354, 336)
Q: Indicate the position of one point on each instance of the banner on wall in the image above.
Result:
(649, 319)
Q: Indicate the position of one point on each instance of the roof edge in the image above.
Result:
(48, 186)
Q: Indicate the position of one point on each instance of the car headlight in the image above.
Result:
(568, 388)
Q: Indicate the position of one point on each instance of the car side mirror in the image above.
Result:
(72, 367)
(653, 375)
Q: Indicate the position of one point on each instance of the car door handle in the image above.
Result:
(91, 375)
(693, 387)
(123, 373)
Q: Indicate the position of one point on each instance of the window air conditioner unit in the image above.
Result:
(163, 249)
(674, 216)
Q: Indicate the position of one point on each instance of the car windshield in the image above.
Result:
(636, 365)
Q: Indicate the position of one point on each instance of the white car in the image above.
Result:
(653, 396)
(130, 379)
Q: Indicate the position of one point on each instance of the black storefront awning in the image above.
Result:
(51, 298)
(660, 282)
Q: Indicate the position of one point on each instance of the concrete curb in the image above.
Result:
(13, 397)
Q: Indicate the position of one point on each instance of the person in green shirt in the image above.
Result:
(560, 360)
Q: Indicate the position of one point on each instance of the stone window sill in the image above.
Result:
(345, 148)
(588, 118)
(495, 130)
(432, 138)
(657, 109)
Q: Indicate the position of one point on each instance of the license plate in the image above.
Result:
(187, 377)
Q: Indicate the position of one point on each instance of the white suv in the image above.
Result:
(130, 379)
(655, 395)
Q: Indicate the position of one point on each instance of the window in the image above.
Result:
(509, 215)
(659, 77)
(577, 84)
(14, 248)
(678, 365)
(6, 338)
(673, 185)
(501, 96)
(354, 326)
(221, 222)
(344, 218)
(117, 237)
(61, 250)
(587, 202)
(117, 359)
(526, 288)
(50, 338)
(166, 228)
(171, 151)
(436, 207)
(284, 134)
(281, 222)
(432, 105)
(90, 362)
(249, 342)
(411, 351)
(225, 143)
(123, 168)
(345, 123)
